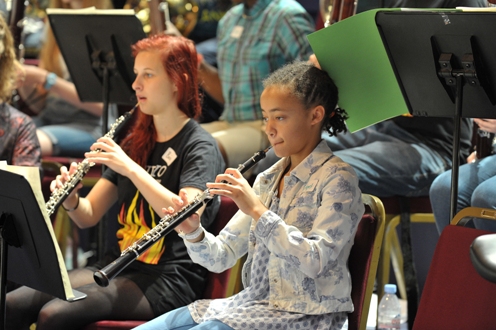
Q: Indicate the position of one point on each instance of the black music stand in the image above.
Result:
(97, 51)
(445, 65)
(442, 63)
(28, 253)
(96, 47)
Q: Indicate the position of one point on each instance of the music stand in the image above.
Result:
(96, 46)
(431, 62)
(446, 69)
(29, 254)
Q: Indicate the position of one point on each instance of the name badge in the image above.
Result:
(169, 156)
(237, 32)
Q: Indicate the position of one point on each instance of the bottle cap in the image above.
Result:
(390, 288)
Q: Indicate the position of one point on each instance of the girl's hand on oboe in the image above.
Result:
(232, 184)
(111, 155)
(189, 225)
(62, 178)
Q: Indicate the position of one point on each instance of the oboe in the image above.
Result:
(163, 228)
(59, 195)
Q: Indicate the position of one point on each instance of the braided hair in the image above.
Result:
(312, 87)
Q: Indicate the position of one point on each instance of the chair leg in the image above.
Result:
(391, 253)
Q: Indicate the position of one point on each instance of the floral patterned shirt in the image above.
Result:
(297, 251)
(18, 141)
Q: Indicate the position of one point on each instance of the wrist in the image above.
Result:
(194, 235)
(50, 80)
(76, 205)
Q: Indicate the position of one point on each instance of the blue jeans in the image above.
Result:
(180, 319)
(68, 141)
(476, 187)
(389, 160)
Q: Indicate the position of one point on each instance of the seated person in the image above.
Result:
(297, 224)
(254, 39)
(403, 155)
(66, 126)
(476, 186)
(18, 142)
(166, 150)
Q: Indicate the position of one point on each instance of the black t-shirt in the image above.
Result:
(165, 272)
(190, 159)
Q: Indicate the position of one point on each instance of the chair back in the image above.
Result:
(454, 295)
(364, 259)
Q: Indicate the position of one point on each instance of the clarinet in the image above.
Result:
(59, 195)
(165, 226)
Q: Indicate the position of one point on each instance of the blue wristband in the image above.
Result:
(51, 78)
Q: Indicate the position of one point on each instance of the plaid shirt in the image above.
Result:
(18, 142)
(252, 44)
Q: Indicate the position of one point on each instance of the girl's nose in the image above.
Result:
(269, 130)
(136, 85)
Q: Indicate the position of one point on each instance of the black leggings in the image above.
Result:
(121, 300)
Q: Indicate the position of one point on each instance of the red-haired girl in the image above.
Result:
(165, 151)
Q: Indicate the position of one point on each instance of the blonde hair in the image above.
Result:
(7, 61)
(50, 56)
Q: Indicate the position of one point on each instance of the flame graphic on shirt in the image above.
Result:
(134, 227)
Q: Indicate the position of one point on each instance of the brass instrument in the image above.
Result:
(183, 14)
(163, 228)
(333, 11)
(59, 195)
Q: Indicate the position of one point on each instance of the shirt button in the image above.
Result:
(275, 280)
(276, 305)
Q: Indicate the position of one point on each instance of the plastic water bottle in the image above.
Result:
(389, 309)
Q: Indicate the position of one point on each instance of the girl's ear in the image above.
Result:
(318, 114)
(186, 77)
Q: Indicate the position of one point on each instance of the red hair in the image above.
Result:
(180, 62)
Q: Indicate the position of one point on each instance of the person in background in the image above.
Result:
(297, 224)
(254, 38)
(18, 142)
(476, 186)
(401, 156)
(65, 125)
(165, 150)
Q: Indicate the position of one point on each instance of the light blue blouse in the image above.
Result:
(296, 268)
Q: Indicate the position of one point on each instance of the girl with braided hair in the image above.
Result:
(296, 225)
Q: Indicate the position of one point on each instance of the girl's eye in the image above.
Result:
(265, 119)
(279, 118)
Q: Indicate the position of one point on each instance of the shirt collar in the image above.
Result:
(257, 8)
(321, 154)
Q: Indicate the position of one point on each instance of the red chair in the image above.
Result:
(455, 296)
(219, 285)
(364, 259)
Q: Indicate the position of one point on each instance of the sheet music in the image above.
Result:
(477, 9)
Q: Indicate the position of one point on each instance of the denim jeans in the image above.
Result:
(180, 319)
(387, 159)
(68, 141)
(476, 187)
